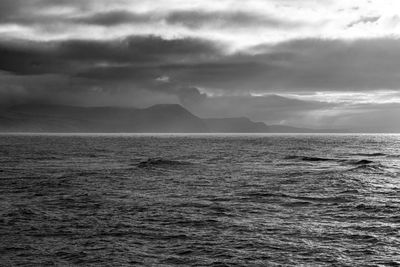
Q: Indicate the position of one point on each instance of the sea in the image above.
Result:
(199, 200)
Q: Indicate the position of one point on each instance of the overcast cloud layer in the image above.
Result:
(324, 64)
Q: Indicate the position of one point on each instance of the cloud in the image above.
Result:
(117, 17)
(306, 65)
(198, 19)
(73, 71)
(192, 19)
(190, 96)
(67, 90)
(297, 65)
(22, 11)
(226, 20)
(363, 20)
(345, 65)
(301, 65)
(71, 56)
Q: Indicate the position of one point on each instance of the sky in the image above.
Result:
(307, 63)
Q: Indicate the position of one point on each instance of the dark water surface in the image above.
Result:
(272, 200)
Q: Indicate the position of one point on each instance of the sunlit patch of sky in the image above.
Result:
(368, 97)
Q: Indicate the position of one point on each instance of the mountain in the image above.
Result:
(165, 118)
(245, 125)
(49, 118)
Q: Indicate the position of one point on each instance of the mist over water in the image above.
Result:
(200, 200)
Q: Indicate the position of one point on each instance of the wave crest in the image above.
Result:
(161, 162)
(307, 158)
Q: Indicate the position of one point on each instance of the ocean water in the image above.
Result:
(200, 200)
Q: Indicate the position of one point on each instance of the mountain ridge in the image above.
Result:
(161, 118)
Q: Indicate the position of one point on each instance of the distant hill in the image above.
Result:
(49, 118)
(166, 118)
(245, 125)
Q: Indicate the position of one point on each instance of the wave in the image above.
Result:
(362, 165)
(377, 208)
(361, 162)
(354, 162)
(328, 199)
(43, 157)
(369, 167)
(307, 158)
(161, 162)
(297, 203)
(301, 200)
(371, 154)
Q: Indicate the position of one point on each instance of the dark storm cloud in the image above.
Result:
(298, 65)
(308, 64)
(116, 17)
(322, 64)
(46, 88)
(138, 50)
(118, 72)
(186, 18)
(75, 55)
(67, 90)
(294, 65)
(29, 11)
(114, 72)
(9, 8)
(197, 19)
(190, 96)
